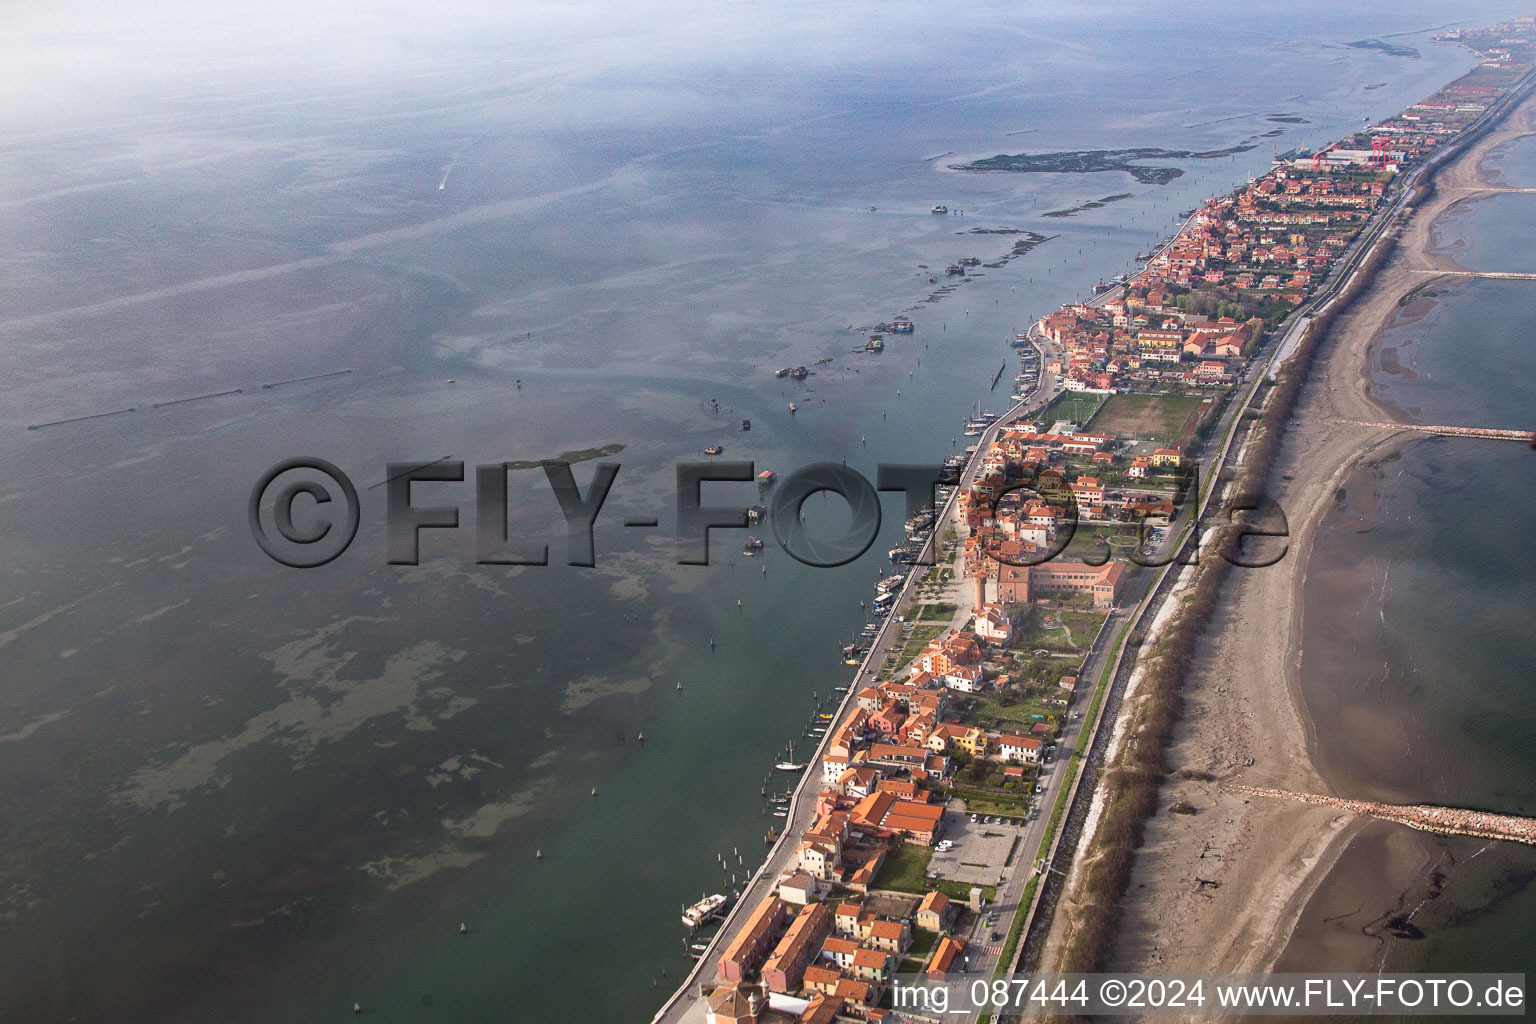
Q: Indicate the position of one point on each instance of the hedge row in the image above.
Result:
(1132, 783)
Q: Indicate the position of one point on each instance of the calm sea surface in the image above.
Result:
(234, 791)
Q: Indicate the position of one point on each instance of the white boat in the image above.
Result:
(789, 766)
(703, 910)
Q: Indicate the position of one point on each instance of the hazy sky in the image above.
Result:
(95, 58)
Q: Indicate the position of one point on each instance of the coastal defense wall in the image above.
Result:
(1305, 331)
(1037, 923)
(1337, 288)
(691, 986)
(1070, 833)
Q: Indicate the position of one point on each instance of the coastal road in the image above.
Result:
(983, 953)
(1213, 462)
(685, 1006)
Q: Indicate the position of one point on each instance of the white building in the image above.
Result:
(993, 624)
(1019, 749)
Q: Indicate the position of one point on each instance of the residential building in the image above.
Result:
(783, 970)
(1018, 749)
(934, 913)
(754, 942)
(946, 958)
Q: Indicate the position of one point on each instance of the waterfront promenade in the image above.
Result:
(685, 1006)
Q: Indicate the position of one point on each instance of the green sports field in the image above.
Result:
(1076, 406)
(1166, 418)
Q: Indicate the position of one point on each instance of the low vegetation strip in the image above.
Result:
(1089, 161)
(1094, 204)
(1133, 781)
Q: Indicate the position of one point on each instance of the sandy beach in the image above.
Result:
(1252, 885)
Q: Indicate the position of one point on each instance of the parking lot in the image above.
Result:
(980, 850)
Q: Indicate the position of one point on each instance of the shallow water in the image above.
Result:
(1416, 664)
(236, 791)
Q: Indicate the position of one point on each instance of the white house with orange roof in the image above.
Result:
(993, 624)
(1018, 749)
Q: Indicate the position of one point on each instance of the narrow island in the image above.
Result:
(1090, 161)
(1094, 204)
(568, 458)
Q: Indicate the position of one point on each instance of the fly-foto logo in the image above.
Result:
(304, 513)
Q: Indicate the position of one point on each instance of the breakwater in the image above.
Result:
(1494, 433)
(1425, 817)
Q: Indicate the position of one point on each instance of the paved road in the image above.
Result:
(684, 1007)
(982, 964)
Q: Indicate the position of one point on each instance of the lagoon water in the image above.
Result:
(1423, 675)
(236, 791)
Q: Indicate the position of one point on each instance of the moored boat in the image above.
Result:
(704, 910)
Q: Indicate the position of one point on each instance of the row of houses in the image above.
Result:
(844, 954)
(1142, 339)
(1268, 243)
